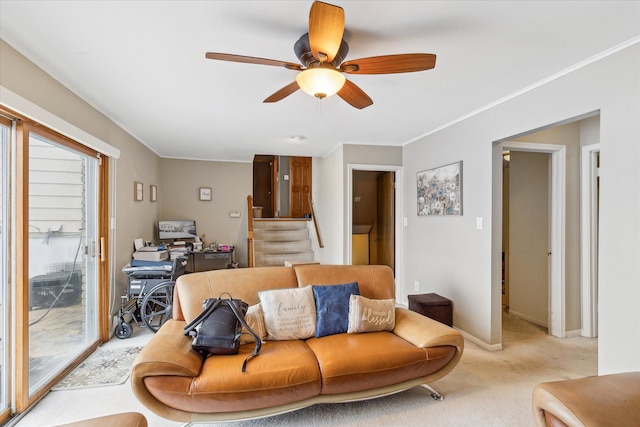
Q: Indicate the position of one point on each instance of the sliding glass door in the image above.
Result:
(53, 268)
(62, 247)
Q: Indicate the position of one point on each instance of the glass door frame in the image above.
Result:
(5, 296)
(20, 397)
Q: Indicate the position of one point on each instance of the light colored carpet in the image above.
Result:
(485, 389)
(105, 367)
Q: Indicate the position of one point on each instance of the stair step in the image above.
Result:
(281, 235)
(266, 260)
(281, 247)
(279, 224)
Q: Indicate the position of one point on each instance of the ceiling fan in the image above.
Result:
(322, 51)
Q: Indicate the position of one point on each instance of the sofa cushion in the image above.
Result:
(371, 315)
(284, 372)
(356, 362)
(255, 320)
(332, 307)
(289, 314)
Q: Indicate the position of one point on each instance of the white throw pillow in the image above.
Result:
(255, 320)
(289, 314)
(371, 315)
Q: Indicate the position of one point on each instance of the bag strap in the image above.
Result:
(243, 322)
(212, 304)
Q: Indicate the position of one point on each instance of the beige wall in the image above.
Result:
(328, 187)
(136, 163)
(231, 183)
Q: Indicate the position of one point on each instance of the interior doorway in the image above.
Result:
(264, 189)
(398, 222)
(573, 147)
(526, 235)
(556, 228)
(373, 218)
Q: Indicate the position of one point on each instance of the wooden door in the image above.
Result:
(386, 219)
(263, 184)
(300, 187)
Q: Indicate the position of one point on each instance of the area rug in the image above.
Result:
(104, 367)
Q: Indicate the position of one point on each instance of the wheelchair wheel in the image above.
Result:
(157, 305)
(123, 330)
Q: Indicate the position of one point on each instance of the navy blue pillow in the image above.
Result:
(332, 308)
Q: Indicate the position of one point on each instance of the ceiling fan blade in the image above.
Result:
(354, 96)
(283, 93)
(252, 60)
(326, 26)
(389, 64)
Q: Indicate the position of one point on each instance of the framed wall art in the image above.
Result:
(153, 193)
(205, 193)
(138, 191)
(440, 190)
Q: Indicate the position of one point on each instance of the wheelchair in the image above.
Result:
(149, 298)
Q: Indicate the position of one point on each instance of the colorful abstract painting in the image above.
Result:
(440, 190)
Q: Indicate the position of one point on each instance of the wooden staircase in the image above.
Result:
(277, 240)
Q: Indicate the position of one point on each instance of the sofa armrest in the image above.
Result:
(168, 352)
(424, 332)
(611, 400)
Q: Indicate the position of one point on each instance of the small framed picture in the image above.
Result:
(153, 193)
(138, 191)
(205, 193)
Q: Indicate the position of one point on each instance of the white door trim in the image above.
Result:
(557, 226)
(589, 239)
(401, 294)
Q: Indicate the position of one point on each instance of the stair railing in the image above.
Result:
(314, 218)
(251, 261)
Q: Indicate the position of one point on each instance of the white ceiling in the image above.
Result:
(142, 63)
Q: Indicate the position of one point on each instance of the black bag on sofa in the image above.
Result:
(217, 329)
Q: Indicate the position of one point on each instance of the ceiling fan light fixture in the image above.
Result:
(320, 81)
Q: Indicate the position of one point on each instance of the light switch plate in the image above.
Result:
(234, 214)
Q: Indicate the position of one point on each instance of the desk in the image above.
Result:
(205, 261)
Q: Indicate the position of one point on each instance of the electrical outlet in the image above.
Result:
(416, 286)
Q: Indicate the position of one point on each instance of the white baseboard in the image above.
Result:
(479, 342)
(528, 319)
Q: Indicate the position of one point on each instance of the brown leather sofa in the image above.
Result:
(174, 381)
(607, 400)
